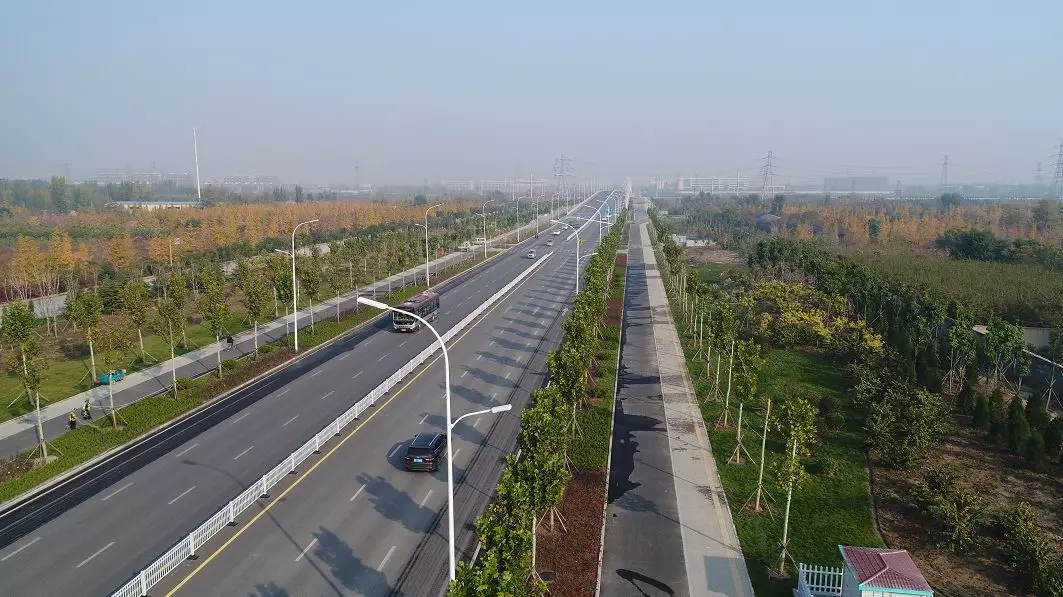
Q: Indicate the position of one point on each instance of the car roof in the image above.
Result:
(424, 440)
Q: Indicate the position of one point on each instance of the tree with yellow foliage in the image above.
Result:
(121, 253)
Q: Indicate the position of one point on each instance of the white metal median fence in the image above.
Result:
(226, 516)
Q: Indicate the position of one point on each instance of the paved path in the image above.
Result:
(668, 526)
(20, 434)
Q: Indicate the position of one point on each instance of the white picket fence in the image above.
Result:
(139, 585)
(818, 581)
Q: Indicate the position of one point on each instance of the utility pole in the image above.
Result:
(195, 150)
(945, 173)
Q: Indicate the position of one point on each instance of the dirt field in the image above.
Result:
(1001, 478)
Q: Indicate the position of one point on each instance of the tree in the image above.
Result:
(778, 202)
(298, 194)
(85, 309)
(1037, 565)
(135, 301)
(1054, 437)
(169, 323)
(59, 195)
(310, 283)
(61, 255)
(1018, 426)
(114, 344)
(747, 368)
(121, 253)
(1003, 344)
(981, 413)
(255, 297)
(905, 425)
(1036, 412)
(997, 413)
(213, 306)
(19, 328)
(177, 294)
(962, 345)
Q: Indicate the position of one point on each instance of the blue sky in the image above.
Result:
(463, 90)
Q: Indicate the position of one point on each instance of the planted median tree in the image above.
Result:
(213, 306)
(797, 423)
(310, 283)
(135, 302)
(255, 297)
(85, 309)
(169, 323)
(19, 328)
(115, 342)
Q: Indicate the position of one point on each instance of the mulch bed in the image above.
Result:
(614, 308)
(573, 556)
(620, 260)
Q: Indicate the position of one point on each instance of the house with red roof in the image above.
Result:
(867, 572)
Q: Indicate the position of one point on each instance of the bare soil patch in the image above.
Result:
(614, 310)
(1001, 478)
(709, 255)
(573, 555)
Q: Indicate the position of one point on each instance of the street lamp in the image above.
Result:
(295, 291)
(427, 272)
(484, 215)
(446, 373)
(576, 232)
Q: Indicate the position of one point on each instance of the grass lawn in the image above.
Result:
(829, 510)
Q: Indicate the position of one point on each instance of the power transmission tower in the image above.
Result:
(561, 172)
(945, 173)
(1057, 180)
(1039, 180)
(768, 171)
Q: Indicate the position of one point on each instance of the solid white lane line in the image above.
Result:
(356, 375)
(393, 450)
(290, 420)
(476, 421)
(464, 373)
(14, 553)
(88, 559)
(241, 417)
(283, 392)
(456, 452)
(384, 562)
(249, 448)
(345, 355)
(117, 491)
(423, 419)
(330, 392)
(426, 496)
(185, 451)
(308, 547)
(508, 373)
(494, 395)
(316, 373)
(357, 493)
(183, 494)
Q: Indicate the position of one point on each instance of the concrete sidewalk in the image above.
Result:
(20, 433)
(668, 526)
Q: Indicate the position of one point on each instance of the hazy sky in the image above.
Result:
(460, 89)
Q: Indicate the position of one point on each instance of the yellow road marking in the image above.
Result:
(326, 456)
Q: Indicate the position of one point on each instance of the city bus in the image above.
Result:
(425, 305)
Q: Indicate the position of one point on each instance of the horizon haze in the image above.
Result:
(479, 90)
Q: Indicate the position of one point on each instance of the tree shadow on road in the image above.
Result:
(347, 568)
(269, 589)
(394, 504)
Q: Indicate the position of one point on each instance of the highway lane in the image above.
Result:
(359, 524)
(94, 548)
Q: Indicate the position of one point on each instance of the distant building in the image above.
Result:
(255, 182)
(459, 186)
(160, 204)
(712, 184)
(488, 186)
(857, 184)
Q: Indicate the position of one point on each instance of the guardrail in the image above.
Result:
(139, 585)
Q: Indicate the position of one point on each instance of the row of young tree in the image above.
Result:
(934, 355)
(531, 487)
(112, 321)
(149, 243)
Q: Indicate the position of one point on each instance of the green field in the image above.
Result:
(829, 511)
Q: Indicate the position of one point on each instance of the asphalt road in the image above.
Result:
(643, 539)
(359, 524)
(97, 546)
